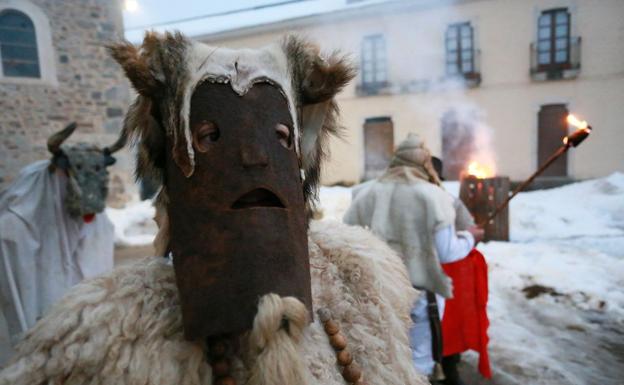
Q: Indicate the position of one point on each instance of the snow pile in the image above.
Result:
(593, 208)
(334, 202)
(556, 313)
(134, 225)
(556, 302)
(556, 291)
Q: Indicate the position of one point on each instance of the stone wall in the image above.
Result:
(91, 89)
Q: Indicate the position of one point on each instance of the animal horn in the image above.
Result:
(55, 141)
(118, 145)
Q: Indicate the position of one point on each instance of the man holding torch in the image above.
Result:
(409, 210)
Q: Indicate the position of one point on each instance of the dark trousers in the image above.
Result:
(451, 372)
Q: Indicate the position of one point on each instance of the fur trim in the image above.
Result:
(126, 328)
(158, 72)
(275, 356)
(166, 69)
(316, 82)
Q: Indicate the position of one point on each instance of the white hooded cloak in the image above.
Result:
(43, 251)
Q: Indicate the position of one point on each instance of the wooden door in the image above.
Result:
(551, 129)
(378, 145)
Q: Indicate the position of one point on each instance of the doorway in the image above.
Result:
(378, 145)
(551, 129)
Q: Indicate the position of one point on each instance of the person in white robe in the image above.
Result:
(43, 249)
(407, 208)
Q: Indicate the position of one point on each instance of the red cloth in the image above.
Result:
(465, 321)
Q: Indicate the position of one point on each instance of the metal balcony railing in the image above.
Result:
(470, 78)
(372, 88)
(551, 69)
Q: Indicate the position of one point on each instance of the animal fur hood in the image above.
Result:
(125, 327)
(166, 69)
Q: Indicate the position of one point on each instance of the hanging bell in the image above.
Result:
(438, 372)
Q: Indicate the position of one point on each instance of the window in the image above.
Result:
(374, 71)
(553, 38)
(460, 50)
(18, 45)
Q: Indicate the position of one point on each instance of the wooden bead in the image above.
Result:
(324, 314)
(344, 357)
(220, 368)
(338, 341)
(352, 372)
(218, 349)
(225, 381)
(331, 327)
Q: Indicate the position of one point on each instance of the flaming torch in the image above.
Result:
(573, 140)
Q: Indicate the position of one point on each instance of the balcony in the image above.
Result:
(470, 74)
(552, 70)
(373, 88)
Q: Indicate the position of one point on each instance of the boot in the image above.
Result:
(451, 372)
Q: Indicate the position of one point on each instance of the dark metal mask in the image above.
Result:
(238, 224)
(236, 137)
(86, 169)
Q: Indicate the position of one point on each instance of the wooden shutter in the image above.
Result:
(551, 129)
(378, 145)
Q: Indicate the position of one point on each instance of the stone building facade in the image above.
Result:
(76, 79)
(519, 67)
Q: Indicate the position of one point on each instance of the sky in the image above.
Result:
(192, 17)
(149, 12)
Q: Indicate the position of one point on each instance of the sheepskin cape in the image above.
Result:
(406, 211)
(126, 327)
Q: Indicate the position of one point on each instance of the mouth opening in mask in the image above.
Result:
(259, 197)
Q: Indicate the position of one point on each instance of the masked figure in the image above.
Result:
(235, 138)
(53, 233)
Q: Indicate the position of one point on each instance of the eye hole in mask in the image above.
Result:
(283, 135)
(205, 133)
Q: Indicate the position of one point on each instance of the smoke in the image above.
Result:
(426, 98)
(467, 138)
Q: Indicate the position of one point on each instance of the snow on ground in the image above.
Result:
(556, 290)
(594, 208)
(134, 225)
(556, 302)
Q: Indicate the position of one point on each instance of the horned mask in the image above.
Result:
(236, 138)
(86, 168)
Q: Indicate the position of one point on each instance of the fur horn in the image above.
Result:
(119, 143)
(325, 78)
(55, 141)
(136, 66)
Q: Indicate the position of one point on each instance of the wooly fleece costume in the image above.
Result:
(406, 206)
(127, 327)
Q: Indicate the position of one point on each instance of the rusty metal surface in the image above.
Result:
(226, 258)
(482, 197)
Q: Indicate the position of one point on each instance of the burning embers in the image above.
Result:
(482, 193)
(480, 171)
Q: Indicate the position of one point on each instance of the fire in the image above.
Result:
(479, 170)
(580, 134)
(574, 121)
